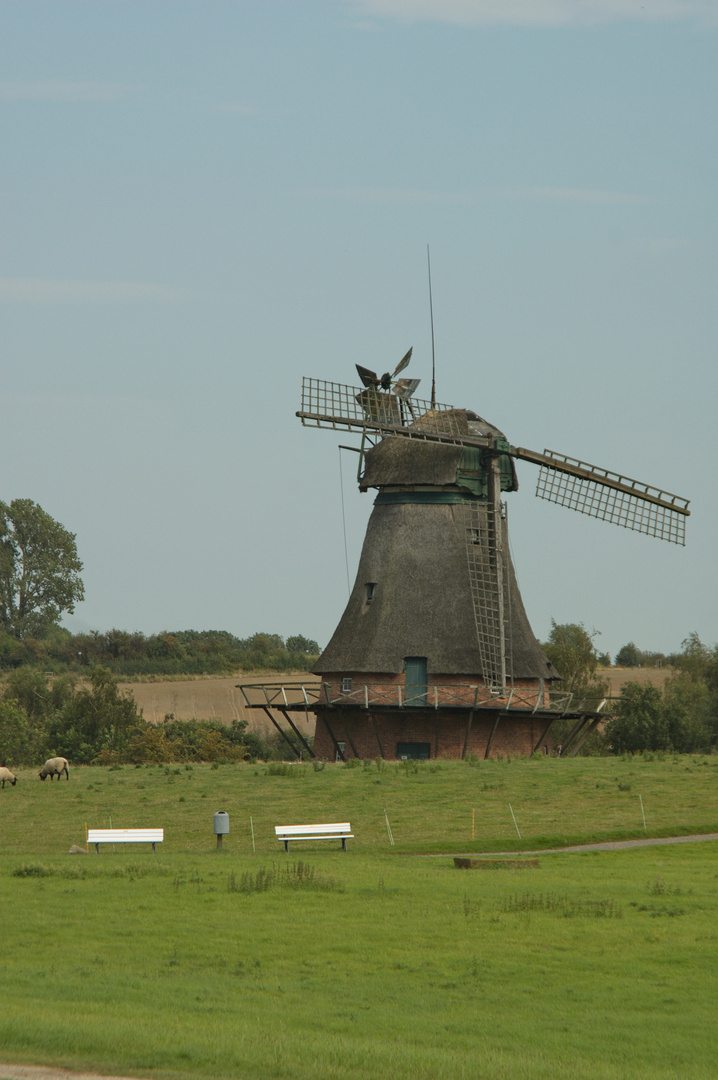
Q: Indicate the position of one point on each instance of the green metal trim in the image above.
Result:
(387, 498)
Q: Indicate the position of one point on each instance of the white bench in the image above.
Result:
(337, 831)
(124, 836)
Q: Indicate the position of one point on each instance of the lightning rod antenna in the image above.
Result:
(433, 354)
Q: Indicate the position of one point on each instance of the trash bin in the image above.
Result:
(221, 825)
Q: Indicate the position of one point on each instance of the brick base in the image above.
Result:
(371, 735)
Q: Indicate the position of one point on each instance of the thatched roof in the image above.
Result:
(415, 556)
(403, 462)
(400, 461)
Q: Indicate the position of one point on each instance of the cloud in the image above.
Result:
(536, 12)
(64, 290)
(65, 91)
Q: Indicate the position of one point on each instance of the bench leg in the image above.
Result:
(97, 849)
(153, 848)
(286, 845)
(344, 843)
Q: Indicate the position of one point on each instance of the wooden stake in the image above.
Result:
(513, 815)
(644, 813)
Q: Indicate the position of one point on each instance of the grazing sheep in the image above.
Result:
(54, 766)
(5, 774)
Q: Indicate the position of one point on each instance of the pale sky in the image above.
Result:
(205, 200)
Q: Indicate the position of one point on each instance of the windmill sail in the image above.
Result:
(563, 480)
(346, 408)
(609, 496)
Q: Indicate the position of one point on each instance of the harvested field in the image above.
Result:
(619, 676)
(211, 698)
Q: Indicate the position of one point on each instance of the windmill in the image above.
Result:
(438, 540)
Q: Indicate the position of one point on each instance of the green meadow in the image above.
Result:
(385, 960)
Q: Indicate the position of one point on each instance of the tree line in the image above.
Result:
(178, 652)
(681, 717)
(92, 722)
(40, 581)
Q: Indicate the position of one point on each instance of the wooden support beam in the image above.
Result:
(581, 738)
(338, 749)
(297, 732)
(491, 736)
(346, 732)
(376, 732)
(469, 722)
(283, 733)
(546, 730)
(573, 733)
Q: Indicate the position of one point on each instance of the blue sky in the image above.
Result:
(204, 201)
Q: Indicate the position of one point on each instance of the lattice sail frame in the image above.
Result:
(490, 597)
(613, 498)
(346, 408)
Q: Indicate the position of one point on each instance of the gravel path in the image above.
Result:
(44, 1072)
(607, 845)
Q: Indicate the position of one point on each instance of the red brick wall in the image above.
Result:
(444, 730)
(386, 689)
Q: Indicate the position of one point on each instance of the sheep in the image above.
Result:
(54, 766)
(5, 774)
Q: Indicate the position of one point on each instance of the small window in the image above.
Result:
(346, 685)
(370, 586)
(340, 751)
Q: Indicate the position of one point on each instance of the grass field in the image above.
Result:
(199, 963)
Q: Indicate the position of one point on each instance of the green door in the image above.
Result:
(415, 677)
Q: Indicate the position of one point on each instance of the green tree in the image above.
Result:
(639, 721)
(688, 712)
(39, 570)
(629, 656)
(571, 650)
(97, 722)
(20, 740)
(299, 644)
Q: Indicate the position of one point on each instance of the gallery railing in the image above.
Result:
(304, 696)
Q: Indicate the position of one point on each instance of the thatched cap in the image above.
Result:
(398, 461)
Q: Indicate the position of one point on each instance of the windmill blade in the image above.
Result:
(404, 388)
(608, 496)
(367, 376)
(489, 589)
(403, 363)
(347, 408)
